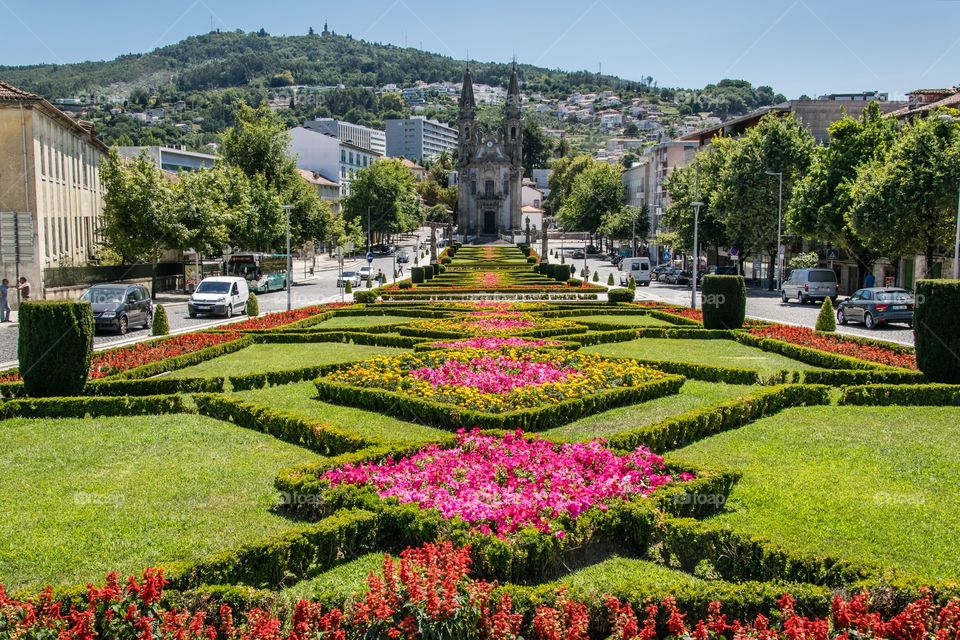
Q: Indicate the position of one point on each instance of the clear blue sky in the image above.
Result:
(796, 46)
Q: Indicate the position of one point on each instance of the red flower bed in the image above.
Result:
(281, 318)
(891, 356)
(428, 593)
(112, 361)
(686, 312)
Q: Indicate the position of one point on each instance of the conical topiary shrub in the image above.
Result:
(161, 326)
(348, 287)
(610, 280)
(253, 307)
(827, 320)
(596, 276)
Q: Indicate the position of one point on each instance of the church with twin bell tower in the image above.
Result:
(489, 164)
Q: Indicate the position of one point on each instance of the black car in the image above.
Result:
(660, 273)
(403, 258)
(117, 307)
(579, 254)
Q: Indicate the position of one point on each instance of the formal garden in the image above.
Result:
(490, 451)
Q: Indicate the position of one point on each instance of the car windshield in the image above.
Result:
(103, 295)
(213, 287)
(349, 274)
(894, 296)
(822, 276)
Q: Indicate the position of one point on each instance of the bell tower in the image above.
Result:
(512, 121)
(467, 121)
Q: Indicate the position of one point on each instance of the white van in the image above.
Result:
(221, 295)
(639, 268)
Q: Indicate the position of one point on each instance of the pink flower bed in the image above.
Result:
(492, 374)
(502, 321)
(495, 344)
(502, 484)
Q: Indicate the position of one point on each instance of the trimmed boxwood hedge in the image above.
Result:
(838, 377)
(364, 336)
(316, 436)
(55, 346)
(185, 360)
(928, 395)
(679, 431)
(619, 295)
(724, 302)
(450, 417)
(937, 329)
(92, 406)
(813, 357)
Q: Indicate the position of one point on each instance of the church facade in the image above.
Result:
(489, 166)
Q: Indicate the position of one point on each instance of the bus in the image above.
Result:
(265, 272)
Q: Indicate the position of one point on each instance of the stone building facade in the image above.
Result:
(489, 166)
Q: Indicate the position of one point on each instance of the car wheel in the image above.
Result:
(243, 311)
(229, 312)
(910, 325)
(868, 321)
(841, 317)
(122, 325)
(192, 314)
(802, 299)
(783, 296)
(148, 323)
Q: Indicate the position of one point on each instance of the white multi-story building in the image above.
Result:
(418, 138)
(355, 134)
(51, 199)
(329, 157)
(171, 159)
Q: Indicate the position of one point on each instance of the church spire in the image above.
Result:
(513, 93)
(466, 93)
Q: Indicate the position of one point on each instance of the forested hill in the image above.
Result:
(222, 60)
(235, 59)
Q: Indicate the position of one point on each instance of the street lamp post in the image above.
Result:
(696, 251)
(289, 277)
(528, 230)
(779, 174)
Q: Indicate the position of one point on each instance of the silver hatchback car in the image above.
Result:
(877, 306)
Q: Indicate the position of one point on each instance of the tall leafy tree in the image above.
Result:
(258, 143)
(537, 146)
(905, 201)
(626, 223)
(744, 197)
(139, 220)
(821, 202)
(385, 193)
(564, 172)
(596, 192)
(695, 183)
(210, 204)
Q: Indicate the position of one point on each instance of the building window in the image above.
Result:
(488, 188)
(343, 155)
(473, 187)
(513, 133)
(506, 187)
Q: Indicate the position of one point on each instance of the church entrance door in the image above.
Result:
(489, 222)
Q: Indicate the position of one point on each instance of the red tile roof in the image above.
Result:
(10, 94)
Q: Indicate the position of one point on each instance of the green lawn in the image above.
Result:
(692, 395)
(340, 584)
(81, 497)
(625, 320)
(353, 322)
(277, 357)
(718, 353)
(619, 575)
(872, 483)
(299, 399)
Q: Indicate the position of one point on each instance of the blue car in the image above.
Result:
(876, 306)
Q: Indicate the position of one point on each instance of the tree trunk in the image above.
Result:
(770, 272)
(928, 261)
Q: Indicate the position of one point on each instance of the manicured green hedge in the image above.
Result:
(737, 557)
(259, 380)
(838, 377)
(186, 360)
(292, 554)
(624, 335)
(360, 336)
(710, 373)
(92, 406)
(930, 395)
(153, 386)
(672, 318)
(55, 346)
(724, 302)
(688, 427)
(365, 296)
(619, 295)
(450, 417)
(316, 436)
(937, 329)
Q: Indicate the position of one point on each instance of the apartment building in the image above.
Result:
(172, 159)
(417, 138)
(334, 159)
(51, 199)
(358, 135)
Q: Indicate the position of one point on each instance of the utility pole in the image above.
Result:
(779, 174)
(289, 275)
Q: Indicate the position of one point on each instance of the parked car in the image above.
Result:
(403, 258)
(578, 255)
(221, 296)
(810, 285)
(716, 271)
(349, 276)
(678, 276)
(366, 273)
(876, 306)
(592, 250)
(117, 307)
(638, 268)
(381, 249)
(659, 272)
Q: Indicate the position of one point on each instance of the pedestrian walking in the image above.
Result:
(869, 280)
(400, 270)
(4, 301)
(24, 288)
